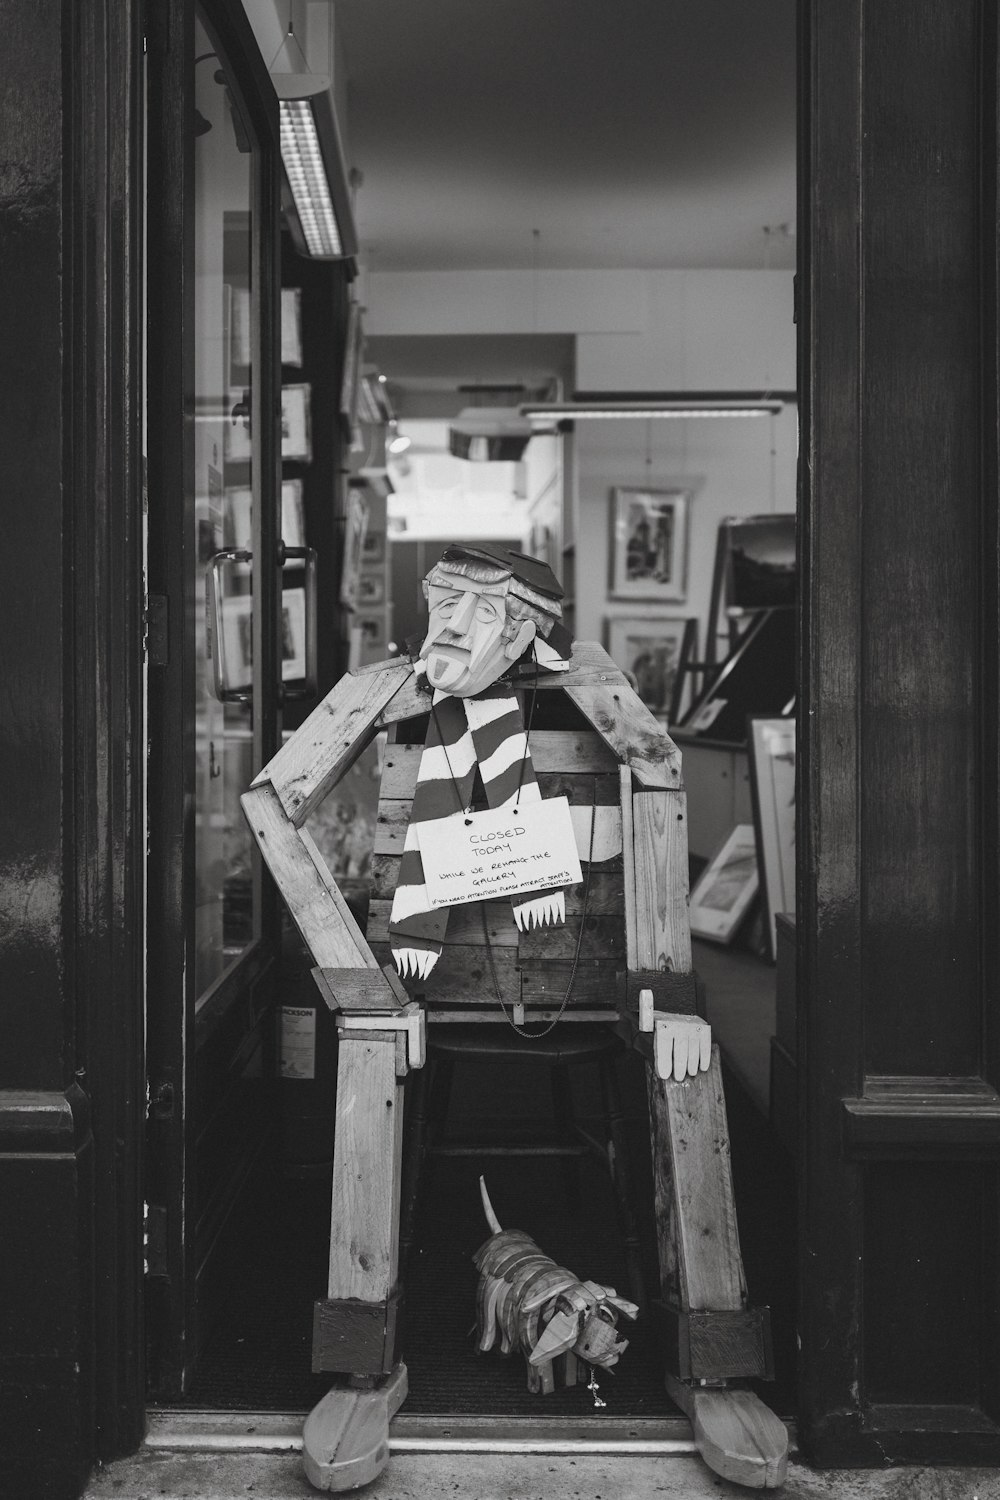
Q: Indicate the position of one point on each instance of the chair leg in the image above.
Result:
(414, 1155)
(621, 1177)
(562, 1108)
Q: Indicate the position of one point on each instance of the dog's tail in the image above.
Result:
(491, 1217)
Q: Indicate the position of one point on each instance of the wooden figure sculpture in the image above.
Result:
(619, 951)
(544, 1309)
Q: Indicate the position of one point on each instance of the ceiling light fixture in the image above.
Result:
(318, 201)
(559, 411)
(321, 217)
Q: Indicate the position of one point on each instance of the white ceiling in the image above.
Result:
(628, 133)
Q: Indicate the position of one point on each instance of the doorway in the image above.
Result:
(296, 1254)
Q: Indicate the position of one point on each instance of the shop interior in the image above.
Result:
(569, 328)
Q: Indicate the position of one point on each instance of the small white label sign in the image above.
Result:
(298, 1042)
(480, 856)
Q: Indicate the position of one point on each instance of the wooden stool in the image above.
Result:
(564, 1047)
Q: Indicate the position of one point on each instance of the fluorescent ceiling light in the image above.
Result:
(321, 217)
(555, 411)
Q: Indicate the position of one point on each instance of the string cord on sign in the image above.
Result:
(514, 1025)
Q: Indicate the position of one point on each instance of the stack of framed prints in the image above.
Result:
(758, 677)
(771, 744)
(364, 581)
(723, 892)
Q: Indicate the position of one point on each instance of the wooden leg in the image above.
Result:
(345, 1442)
(621, 1178)
(346, 1436)
(702, 1271)
(562, 1109)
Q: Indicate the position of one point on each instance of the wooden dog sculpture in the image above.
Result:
(528, 1300)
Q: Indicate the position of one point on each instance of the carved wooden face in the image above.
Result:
(468, 644)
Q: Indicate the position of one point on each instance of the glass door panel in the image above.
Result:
(225, 458)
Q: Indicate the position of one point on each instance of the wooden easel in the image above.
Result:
(712, 1337)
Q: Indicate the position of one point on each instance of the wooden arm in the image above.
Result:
(311, 894)
(333, 736)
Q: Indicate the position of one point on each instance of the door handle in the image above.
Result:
(232, 678)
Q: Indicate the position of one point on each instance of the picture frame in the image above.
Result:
(758, 677)
(296, 436)
(371, 589)
(237, 528)
(355, 530)
(771, 752)
(351, 374)
(651, 649)
(724, 890)
(291, 325)
(649, 544)
(236, 643)
(373, 548)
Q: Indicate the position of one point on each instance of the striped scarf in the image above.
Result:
(487, 731)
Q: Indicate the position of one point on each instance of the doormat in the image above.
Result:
(257, 1357)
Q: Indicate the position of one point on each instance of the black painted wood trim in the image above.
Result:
(923, 1117)
(106, 848)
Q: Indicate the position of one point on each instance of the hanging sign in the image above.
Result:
(482, 855)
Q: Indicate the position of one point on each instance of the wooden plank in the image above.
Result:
(533, 1012)
(316, 905)
(331, 739)
(603, 937)
(364, 1226)
(601, 843)
(365, 990)
(465, 924)
(347, 917)
(659, 842)
(391, 823)
(580, 789)
(691, 1150)
(554, 752)
(633, 733)
(462, 976)
(599, 981)
(589, 664)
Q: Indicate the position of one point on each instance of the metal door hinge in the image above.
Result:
(156, 622)
(154, 1234)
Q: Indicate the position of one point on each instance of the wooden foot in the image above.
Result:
(736, 1434)
(345, 1442)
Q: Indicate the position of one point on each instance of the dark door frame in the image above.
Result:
(175, 1034)
(898, 766)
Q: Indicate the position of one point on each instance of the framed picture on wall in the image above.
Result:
(726, 887)
(296, 439)
(651, 649)
(649, 544)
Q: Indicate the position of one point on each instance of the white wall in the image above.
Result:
(729, 467)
